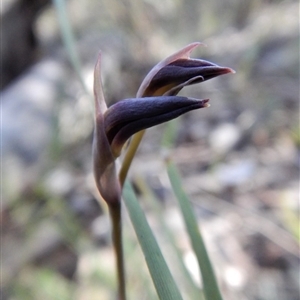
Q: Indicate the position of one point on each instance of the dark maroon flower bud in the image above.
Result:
(129, 116)
(177, 71)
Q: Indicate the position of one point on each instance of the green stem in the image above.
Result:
(115, 214)
(134, 144)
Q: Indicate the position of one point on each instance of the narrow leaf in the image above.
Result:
(192, 289)
(210, 286)
(68, 38)
(163, 281)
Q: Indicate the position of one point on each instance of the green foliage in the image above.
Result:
(164, 283)
(210, 285)
(68, 38)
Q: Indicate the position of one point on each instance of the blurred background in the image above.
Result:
(239, 158)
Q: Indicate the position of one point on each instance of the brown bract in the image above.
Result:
(103, 159)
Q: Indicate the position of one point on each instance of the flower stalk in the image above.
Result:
(105, 174)
(115, 215)
(156, 102)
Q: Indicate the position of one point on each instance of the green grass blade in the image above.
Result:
(210, 286)
(163, 281)
(193, 291)
(68, 38)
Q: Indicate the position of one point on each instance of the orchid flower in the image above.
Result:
(170, 75)
(156, 103)
(116, 124)
(167, 78)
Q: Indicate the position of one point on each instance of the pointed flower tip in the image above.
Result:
(97, 76)
(202, 103)
(226, 70)
(184, 53)
(100, 103)
(97, 70)
(196, 44)
(205, 103)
